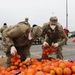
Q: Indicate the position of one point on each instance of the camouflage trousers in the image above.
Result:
(59, 52)
(24, 52)
(8, 59)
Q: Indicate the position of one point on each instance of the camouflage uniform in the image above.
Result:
(4, 27)
(26, 22)
(54, 36)
(18, 36)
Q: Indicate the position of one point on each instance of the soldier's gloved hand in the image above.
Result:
(44, 44)
(29, 36)
(13, 50)
(27, 59)
(55, 44)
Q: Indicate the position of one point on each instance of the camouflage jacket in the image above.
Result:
(54, 36)
(26, 23)
(3, 28)
(17, 35)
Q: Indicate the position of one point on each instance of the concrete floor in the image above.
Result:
(36, 52)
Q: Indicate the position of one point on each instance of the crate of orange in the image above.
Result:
(73, 39)
(48, 50)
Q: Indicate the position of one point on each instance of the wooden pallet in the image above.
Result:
(3, 60)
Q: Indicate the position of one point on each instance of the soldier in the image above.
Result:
(54, 36)
(67, 32)
(4, 27)
(26, 22)
(19, 38)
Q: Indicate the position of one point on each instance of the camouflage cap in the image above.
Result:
(5, 24)
(34, 25)
(37, 31)
(53, 20)
(26, 18)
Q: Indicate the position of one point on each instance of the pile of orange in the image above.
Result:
(17, 64)
(48, 50)
(36, 67)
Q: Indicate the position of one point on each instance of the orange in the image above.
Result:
(59, 71)
(68, 64)
(16, 63)
(24, 66)
(52, 72)
(67, 71)
(73, 64)
(55, 68)
(62, 65)
(32, 71)
(21, 64)
(12, 67)
(52, 60)
(12, 60)
(8, 69)
(73, 69)
(73, 74)
(39, 73)
(51, 67)
(48, 74)
(2, 68)
(38, 67)
(60, 61)
(18, 60)
(19, 56)
(32, 66)
(46, 68)
(55, 64)
(4, 72)
(29, 73)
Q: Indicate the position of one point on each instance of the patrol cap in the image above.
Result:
(37, 31)
(26, 18)
(34, 25)
(5, 24)
(53, 20)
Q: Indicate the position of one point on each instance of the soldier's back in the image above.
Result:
(25, 23)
